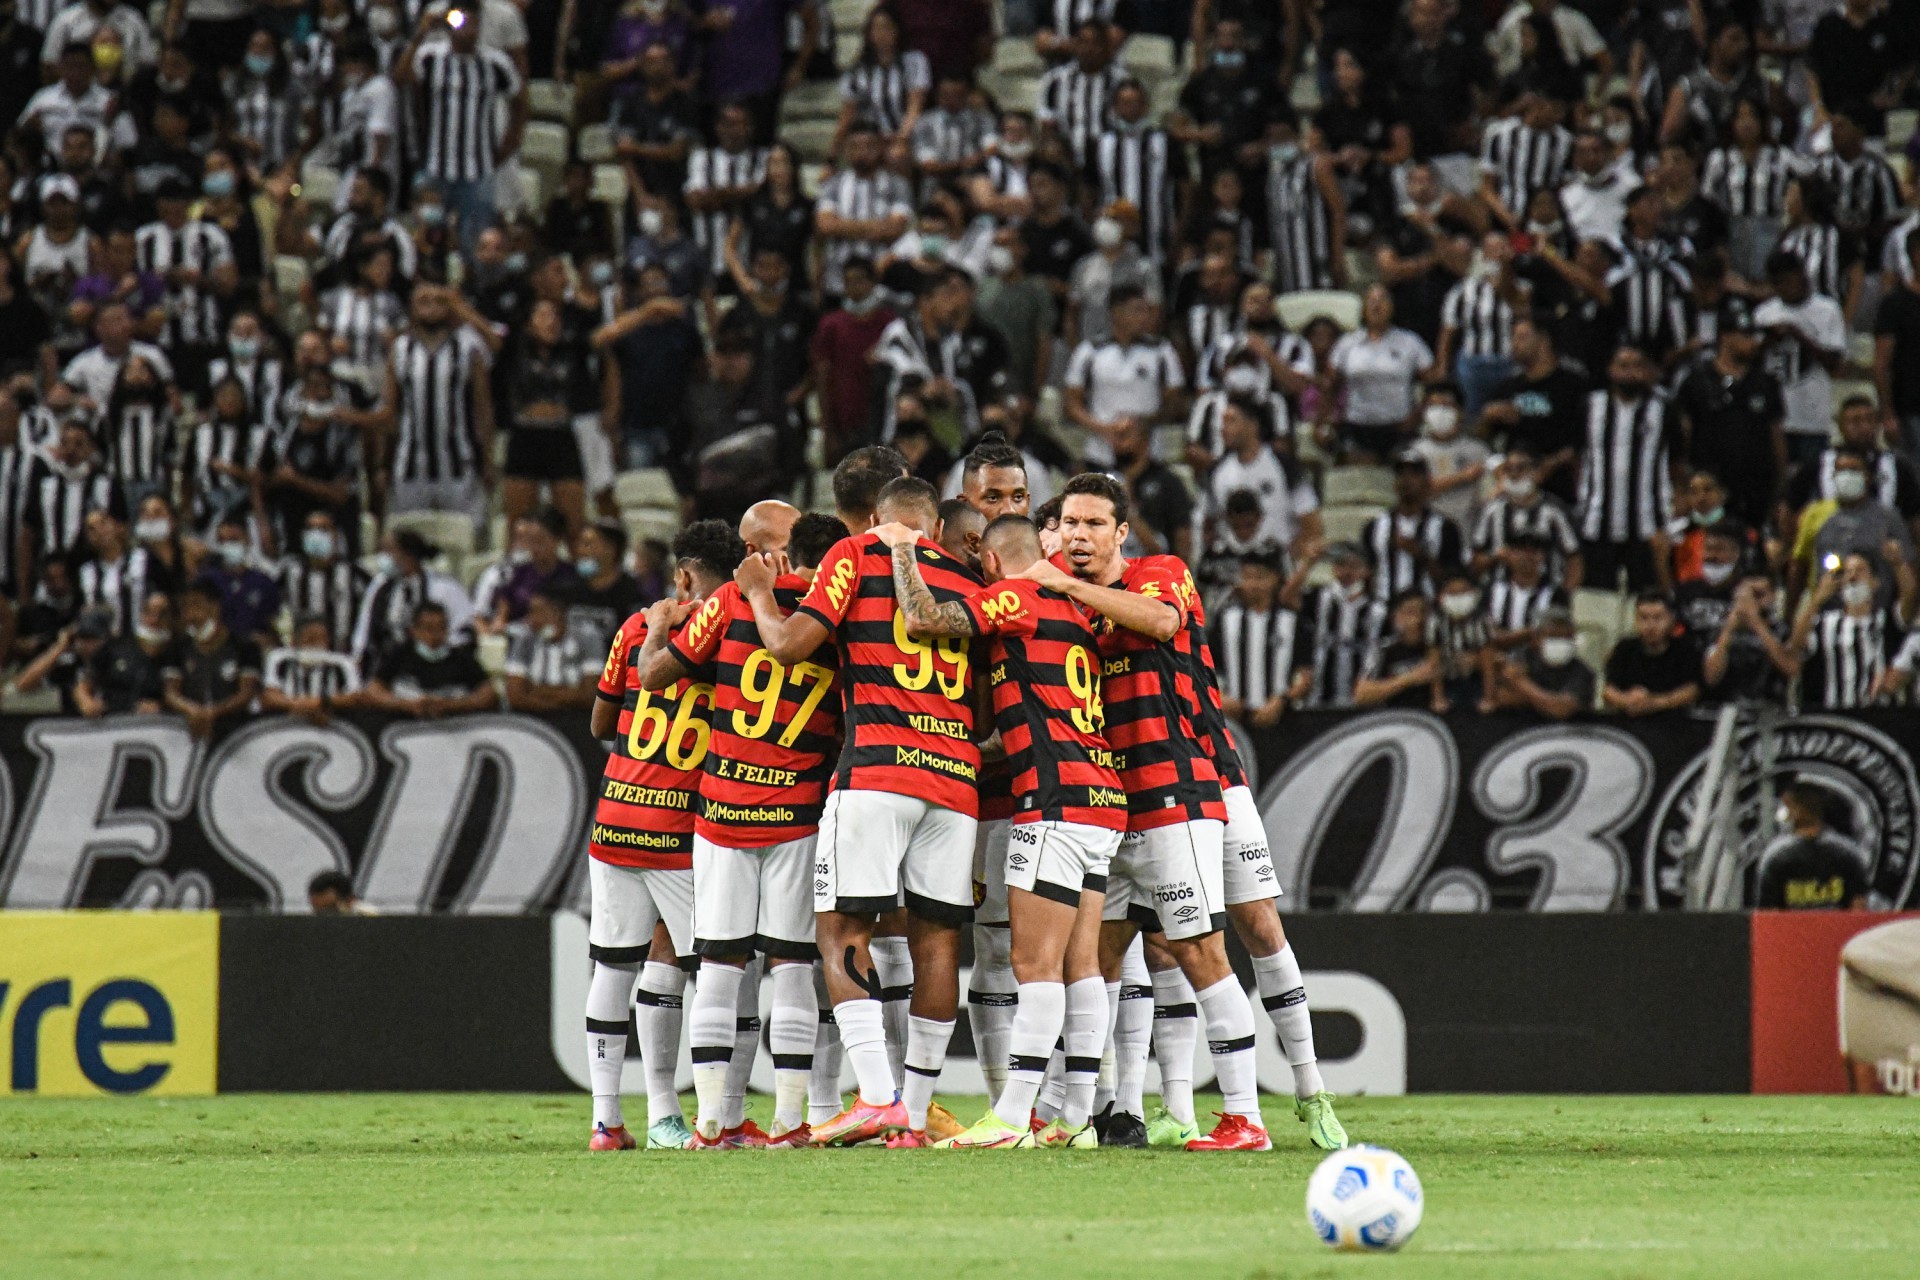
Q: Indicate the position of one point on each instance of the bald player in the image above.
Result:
(767, 526)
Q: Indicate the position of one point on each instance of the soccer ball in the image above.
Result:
(1364, 1200)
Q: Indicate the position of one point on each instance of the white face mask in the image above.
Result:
(1441, 421)
(233, 553)
(205, 631)
(1459, 605)
(1781, 816)
(652, 222)
(149, 635)
(317, 543)
(385, 566)
(1850, 486)
(1856, 595)
(1556, 651)
(1015, 151)
(1715, 574)
(549, 633)
(1619, 133)
(999, 260)
(157, 529)
(1241, 380)
(1521, 487)
(1107, 232)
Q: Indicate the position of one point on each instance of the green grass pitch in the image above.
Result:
(502, 1185)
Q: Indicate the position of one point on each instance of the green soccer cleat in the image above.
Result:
(1323, 1127)
(989, 1133)
(1057, 1135)
(1165, 1130)
(670, 1134)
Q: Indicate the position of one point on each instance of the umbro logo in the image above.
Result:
(1187, 912)
(1016, 859)
(819, 886)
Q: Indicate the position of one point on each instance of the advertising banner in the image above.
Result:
(93, 1003)
(1836, 1002)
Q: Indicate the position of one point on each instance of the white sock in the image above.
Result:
(990, 1003)
(927, 1043)
(1085, 1033)
(1230, 1040)
(657, 1013)
(1176, 1025)
(1053, 1087)
(790, 1040)
(1109, 1081)
(716, 998)
(1037, 1020)
(746, 1044)
(607, 1039)
(865, 1038)
(1132, 1036)
(894, 964)
(1284, 994)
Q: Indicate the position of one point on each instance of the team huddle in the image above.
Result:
(843, 740)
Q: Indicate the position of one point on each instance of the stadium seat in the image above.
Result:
(475, 565)
(1013, 54)
(1601, 609)
(596, 143)
(492, 653)
(1299, 307)
(610, 185)
(545, 144)
(649, 487)
(319, 184)
(550, 100)
(531, 188)
(1145, 55)
(813, 101)
(651, 523)
(811, 138)
(1357, 486)
(289, 273)
(1900, 128)
(1346, 524)
(1170, 443)
(1014, 92)
(448, 530)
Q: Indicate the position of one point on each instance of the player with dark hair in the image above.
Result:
(640, 867)
(768, 761)
(993, 478)
(857, 482)
(960, 530)
(901, 818)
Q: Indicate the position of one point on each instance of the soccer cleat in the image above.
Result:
(989, 1133)
(1233, 1133)
(670, 1134)
(1124, 1129)
(1323, 1127)
(744, 1136)
(614, 1139)
(909, 1139)
(702, 1142)
(1165, 1130)
(1034, 1123)
(1056, 1134)
(800, 1135)
(942, 1124)
(1101, 1119)
(861, 1122)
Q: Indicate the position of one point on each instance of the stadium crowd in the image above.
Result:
(363, 353)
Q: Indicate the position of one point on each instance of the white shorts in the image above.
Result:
(1248, 872)
(990, 872)
(753, 900)
(1056, 860)
(628, 902)
(1167, 880)
(877, 847)
(596, 453)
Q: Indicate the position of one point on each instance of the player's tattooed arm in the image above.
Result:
(924, 616)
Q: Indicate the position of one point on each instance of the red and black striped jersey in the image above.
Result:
(1045, 674)
(775, 727)
(1147, 688)
(908, 704)
(645, 814)
(1214, 727)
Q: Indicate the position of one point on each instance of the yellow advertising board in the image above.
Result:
(101, 1003)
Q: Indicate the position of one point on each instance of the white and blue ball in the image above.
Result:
(1364, 1200)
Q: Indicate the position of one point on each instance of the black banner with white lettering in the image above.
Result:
(1402, 810)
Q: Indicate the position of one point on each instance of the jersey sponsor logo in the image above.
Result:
(1023, 835)
(714, 811)
(671, 841)
(1114, 760)
(998, 675)
(711, 614)
(1003, 606)
(1115, 667)
(1106, 798)
(844, 575)
(937, 726)
(650, 797)
(758, 775)
(917, 758)
(611, 671)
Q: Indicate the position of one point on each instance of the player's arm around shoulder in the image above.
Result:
(794, 638)
(1150, 606)
(925, 617)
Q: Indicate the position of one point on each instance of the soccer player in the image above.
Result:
(640, 867)
(901, 819)
(775, 729)
(1069, 815)
(1166, 878)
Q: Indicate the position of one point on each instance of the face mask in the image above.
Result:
(259, 63)
(148, 635)
(1716, 574)
(433, 215)
(1556, 651)
(933, 244)
(1706, 518)
(1459, 605)
(383, 564)
(1782, 816)
(171, 84)
(431, 652)
(1485, 269)
(1619, 133)
(601, 274)
(244, 349)
(157, 529)
(1441, 421)
(233, 553)
(999, 259)
(317, 543)
(1856, 594)
(384, 22)
(516, 263)
(1107, 232)
(1544, 230)
(205, 631)
(335, 25)
(107, 57)
(1850, 486)
(549, 633)
(1522, 488)
(1016, 151)
(1283, 153)
(651, 222)
(1231, 59)
(861, 306)
(587, 567)
(519, 555)
(1242, 381)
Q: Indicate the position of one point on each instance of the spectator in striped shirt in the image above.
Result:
(1464, 639)
(459, 88)
(309, 680)
(1253, 642)
(1405, 670)
(1845, 652)
(548, 668)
